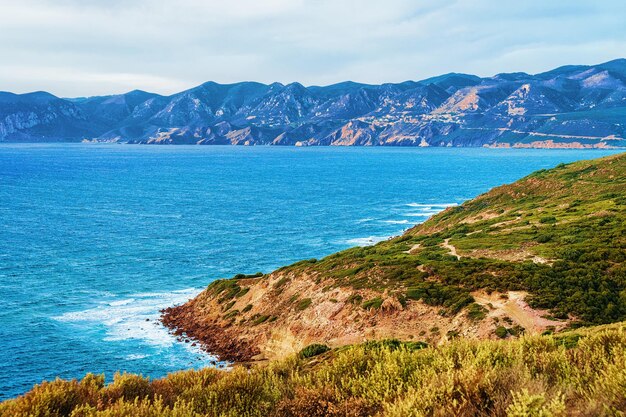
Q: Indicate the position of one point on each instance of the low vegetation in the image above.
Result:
(568, 374)
(559, 234)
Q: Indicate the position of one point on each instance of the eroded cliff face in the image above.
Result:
(276, 315)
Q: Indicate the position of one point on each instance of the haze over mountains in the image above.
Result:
(571, 106)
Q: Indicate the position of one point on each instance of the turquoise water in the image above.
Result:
(96, 239)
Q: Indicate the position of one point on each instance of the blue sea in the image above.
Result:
(96, 239)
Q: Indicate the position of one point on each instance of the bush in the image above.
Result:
(260, 319)
(547, 219)
(303, 304)
(501, 332)
(243, 276)
(355, 298)
(544, 238)
(436, 294)
(476, 312)
(374, 303)
(313, 350)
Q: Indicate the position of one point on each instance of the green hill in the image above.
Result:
(559, 234)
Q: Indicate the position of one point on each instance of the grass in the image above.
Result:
(579, 373)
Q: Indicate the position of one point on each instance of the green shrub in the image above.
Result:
(501, 332)
(544, 238)
(374, 303)
(313, 350)
(303, 304)
(260, 319)
(547, 219)
(281, 283)
(231, 314)
(476, 312)
(244, 276)
(532, 376)
(568, 340)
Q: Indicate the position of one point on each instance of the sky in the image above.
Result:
(75, 48)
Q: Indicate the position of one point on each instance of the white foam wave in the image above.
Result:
(135, 356)
(366, 241)
(395, 221)
(444, 205)
(422, 213)
(121, 302)
(134, 317)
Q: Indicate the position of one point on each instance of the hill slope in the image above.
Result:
(540, 254)
(573, 106)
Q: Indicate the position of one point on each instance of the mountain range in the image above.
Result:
(570, 106)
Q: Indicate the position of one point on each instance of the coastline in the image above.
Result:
(399, 288)
(212, 338)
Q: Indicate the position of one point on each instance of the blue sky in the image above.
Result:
(90, 47)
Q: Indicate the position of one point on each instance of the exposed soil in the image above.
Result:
(274, 327)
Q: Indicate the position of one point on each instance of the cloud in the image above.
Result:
(86, 47)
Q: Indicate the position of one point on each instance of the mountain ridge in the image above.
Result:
(572, 106)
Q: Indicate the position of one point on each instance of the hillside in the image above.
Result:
(573, 374)
(569, 107)
(541, 254)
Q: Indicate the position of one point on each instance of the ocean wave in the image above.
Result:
(395, 221)
(121, 302)
(134, 317)
(366, 241)
(422, 213)
(444, 205)
(135, 356)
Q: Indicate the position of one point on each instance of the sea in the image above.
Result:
(96, 239)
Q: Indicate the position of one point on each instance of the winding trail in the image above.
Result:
(446, 244)
(413, 248)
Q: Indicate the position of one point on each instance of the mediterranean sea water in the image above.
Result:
(96, 239)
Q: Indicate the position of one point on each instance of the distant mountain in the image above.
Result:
(570, 106)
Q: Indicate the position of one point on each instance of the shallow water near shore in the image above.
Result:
(96, 239)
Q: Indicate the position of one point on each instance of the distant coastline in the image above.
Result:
(575, 106)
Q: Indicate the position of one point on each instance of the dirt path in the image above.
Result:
(413, 248)
(446, 244)
(517, 309)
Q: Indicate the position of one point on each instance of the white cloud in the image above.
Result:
(85, 47)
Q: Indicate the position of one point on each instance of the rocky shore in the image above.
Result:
(213, 338)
